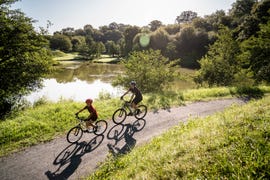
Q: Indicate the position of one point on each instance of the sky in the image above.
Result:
(77, 13)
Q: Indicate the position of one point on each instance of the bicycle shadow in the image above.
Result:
(124, 133)
(71, 157)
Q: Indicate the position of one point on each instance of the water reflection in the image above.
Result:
(78, 81)
(87, 72)
(77, 90)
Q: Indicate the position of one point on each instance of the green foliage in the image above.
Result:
(91, 49)
(229, 145)
(149, 69)
(112, 48)
(58, 53)
(24, 57)
(60, 42)
(256, 54)
(191, 45)
(248, 92)
(159, 40)
(219, 66)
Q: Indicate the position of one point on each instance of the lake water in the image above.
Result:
(79, 81)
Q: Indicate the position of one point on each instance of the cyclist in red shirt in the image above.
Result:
(93, 113)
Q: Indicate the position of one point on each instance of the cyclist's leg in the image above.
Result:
(91, 120)
(135, 102)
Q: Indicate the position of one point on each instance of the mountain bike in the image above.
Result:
(120, 114)
(75, 133)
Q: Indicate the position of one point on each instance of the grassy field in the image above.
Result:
(66, 57)
(230, 145)
(46, 120)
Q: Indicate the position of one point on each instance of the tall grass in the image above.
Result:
(233, 144)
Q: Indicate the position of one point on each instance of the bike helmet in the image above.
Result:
(89, 101)
(133, 83)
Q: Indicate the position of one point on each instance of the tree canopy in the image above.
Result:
(24, 56)
(149, 69)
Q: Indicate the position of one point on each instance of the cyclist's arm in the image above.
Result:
(80, 111)
(125, 94)
(132, 96)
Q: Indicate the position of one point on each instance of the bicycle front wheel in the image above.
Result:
(141, 111)
(101, 127)
(74, 134)
(119, 116)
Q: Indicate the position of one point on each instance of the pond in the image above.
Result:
(79, 80)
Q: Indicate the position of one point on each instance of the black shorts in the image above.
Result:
(136, 100)
(93, 117)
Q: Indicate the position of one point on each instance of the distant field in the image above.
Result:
(66, 57)
(106, 59)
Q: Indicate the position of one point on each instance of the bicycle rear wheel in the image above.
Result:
(102, 127)
(74, 134)
(119, 116)
(141, 111)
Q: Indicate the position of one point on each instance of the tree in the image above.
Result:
(76, 42)
(186, 16)
(159, 40)
(172, 29)
(256, 54)
(112, 48)
(249, 24)
(24, 56)
(220, 66)
(191, 46)
(154, 25)
(215, 20)
(129, 35)
(240, 9)
(149, 69)
(60, 42)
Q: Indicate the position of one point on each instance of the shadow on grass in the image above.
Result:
(248, 93)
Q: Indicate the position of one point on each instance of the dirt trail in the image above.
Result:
(58, 159)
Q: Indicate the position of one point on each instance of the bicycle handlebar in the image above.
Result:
(79, 118)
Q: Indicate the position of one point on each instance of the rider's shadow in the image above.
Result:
(71, 158)
(124, 133)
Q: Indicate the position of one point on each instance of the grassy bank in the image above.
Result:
(46, 120)
(230, 145)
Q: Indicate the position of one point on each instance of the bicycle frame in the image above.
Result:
(81, 122)
(127, 105)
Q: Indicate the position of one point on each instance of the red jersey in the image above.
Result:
(91, 110)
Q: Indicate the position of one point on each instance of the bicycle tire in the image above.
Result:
(74, 134)
(119, 116)
(143, 111)
(102, 124)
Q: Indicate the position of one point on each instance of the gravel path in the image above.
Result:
(58, 159)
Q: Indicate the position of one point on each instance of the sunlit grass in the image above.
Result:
(46, 120)
(230, 145)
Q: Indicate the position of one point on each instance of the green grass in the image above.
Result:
(46, 120)
(233, 144)
(66, 57)
(106, 59)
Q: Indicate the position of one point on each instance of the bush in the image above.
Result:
(149, 69)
